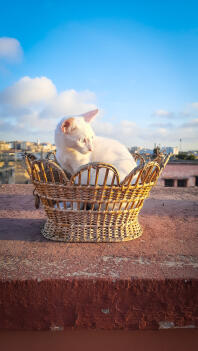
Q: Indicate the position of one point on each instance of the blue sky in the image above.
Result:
(135, 60)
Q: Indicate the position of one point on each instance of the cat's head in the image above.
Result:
(76, 132)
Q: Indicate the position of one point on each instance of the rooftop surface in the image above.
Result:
(169, 244)
(135, 284)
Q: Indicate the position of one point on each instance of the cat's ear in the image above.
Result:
(88, 116)
(68, 125)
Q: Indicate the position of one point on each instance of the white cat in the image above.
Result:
(77, 145)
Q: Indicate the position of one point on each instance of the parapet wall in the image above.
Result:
(180, 171)
(147, 283)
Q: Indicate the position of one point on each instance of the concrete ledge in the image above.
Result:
(147, 283)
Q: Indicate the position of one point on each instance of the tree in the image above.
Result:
(156, 152)
(185, 156)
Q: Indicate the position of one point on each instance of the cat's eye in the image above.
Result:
(82, 140)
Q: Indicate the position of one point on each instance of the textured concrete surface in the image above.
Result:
(97, 340)
(147, 283)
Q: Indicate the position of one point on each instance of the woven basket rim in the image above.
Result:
(159, 162)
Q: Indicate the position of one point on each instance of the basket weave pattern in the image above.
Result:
(81, 210)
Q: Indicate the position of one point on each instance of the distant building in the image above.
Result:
(47, 147)
(134, 149)
(53, 147)
(180, 173)
(34, 147)
(193, 152)
(146, 151)
(4, 146)
(16, 144)
(27, 145)
(172, 150)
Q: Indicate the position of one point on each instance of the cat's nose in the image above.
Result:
(90, 148)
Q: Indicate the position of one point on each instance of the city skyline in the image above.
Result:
(136, 62)
(47, 143)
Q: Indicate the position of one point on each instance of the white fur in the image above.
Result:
(113, 152)
(72, 153)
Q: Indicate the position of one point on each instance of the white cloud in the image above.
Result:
(162, 114)
(28, 91)
(162, 131)
(69, 102)
(103, 128)
(130, 133)
(123, 131)
(190, 110)
(127, 132)
(32, 106)
(10, 49)
(161, 125)
(128, 129)
(195, 105)
(191, 124)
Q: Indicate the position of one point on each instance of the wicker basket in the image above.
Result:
(79, 212)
